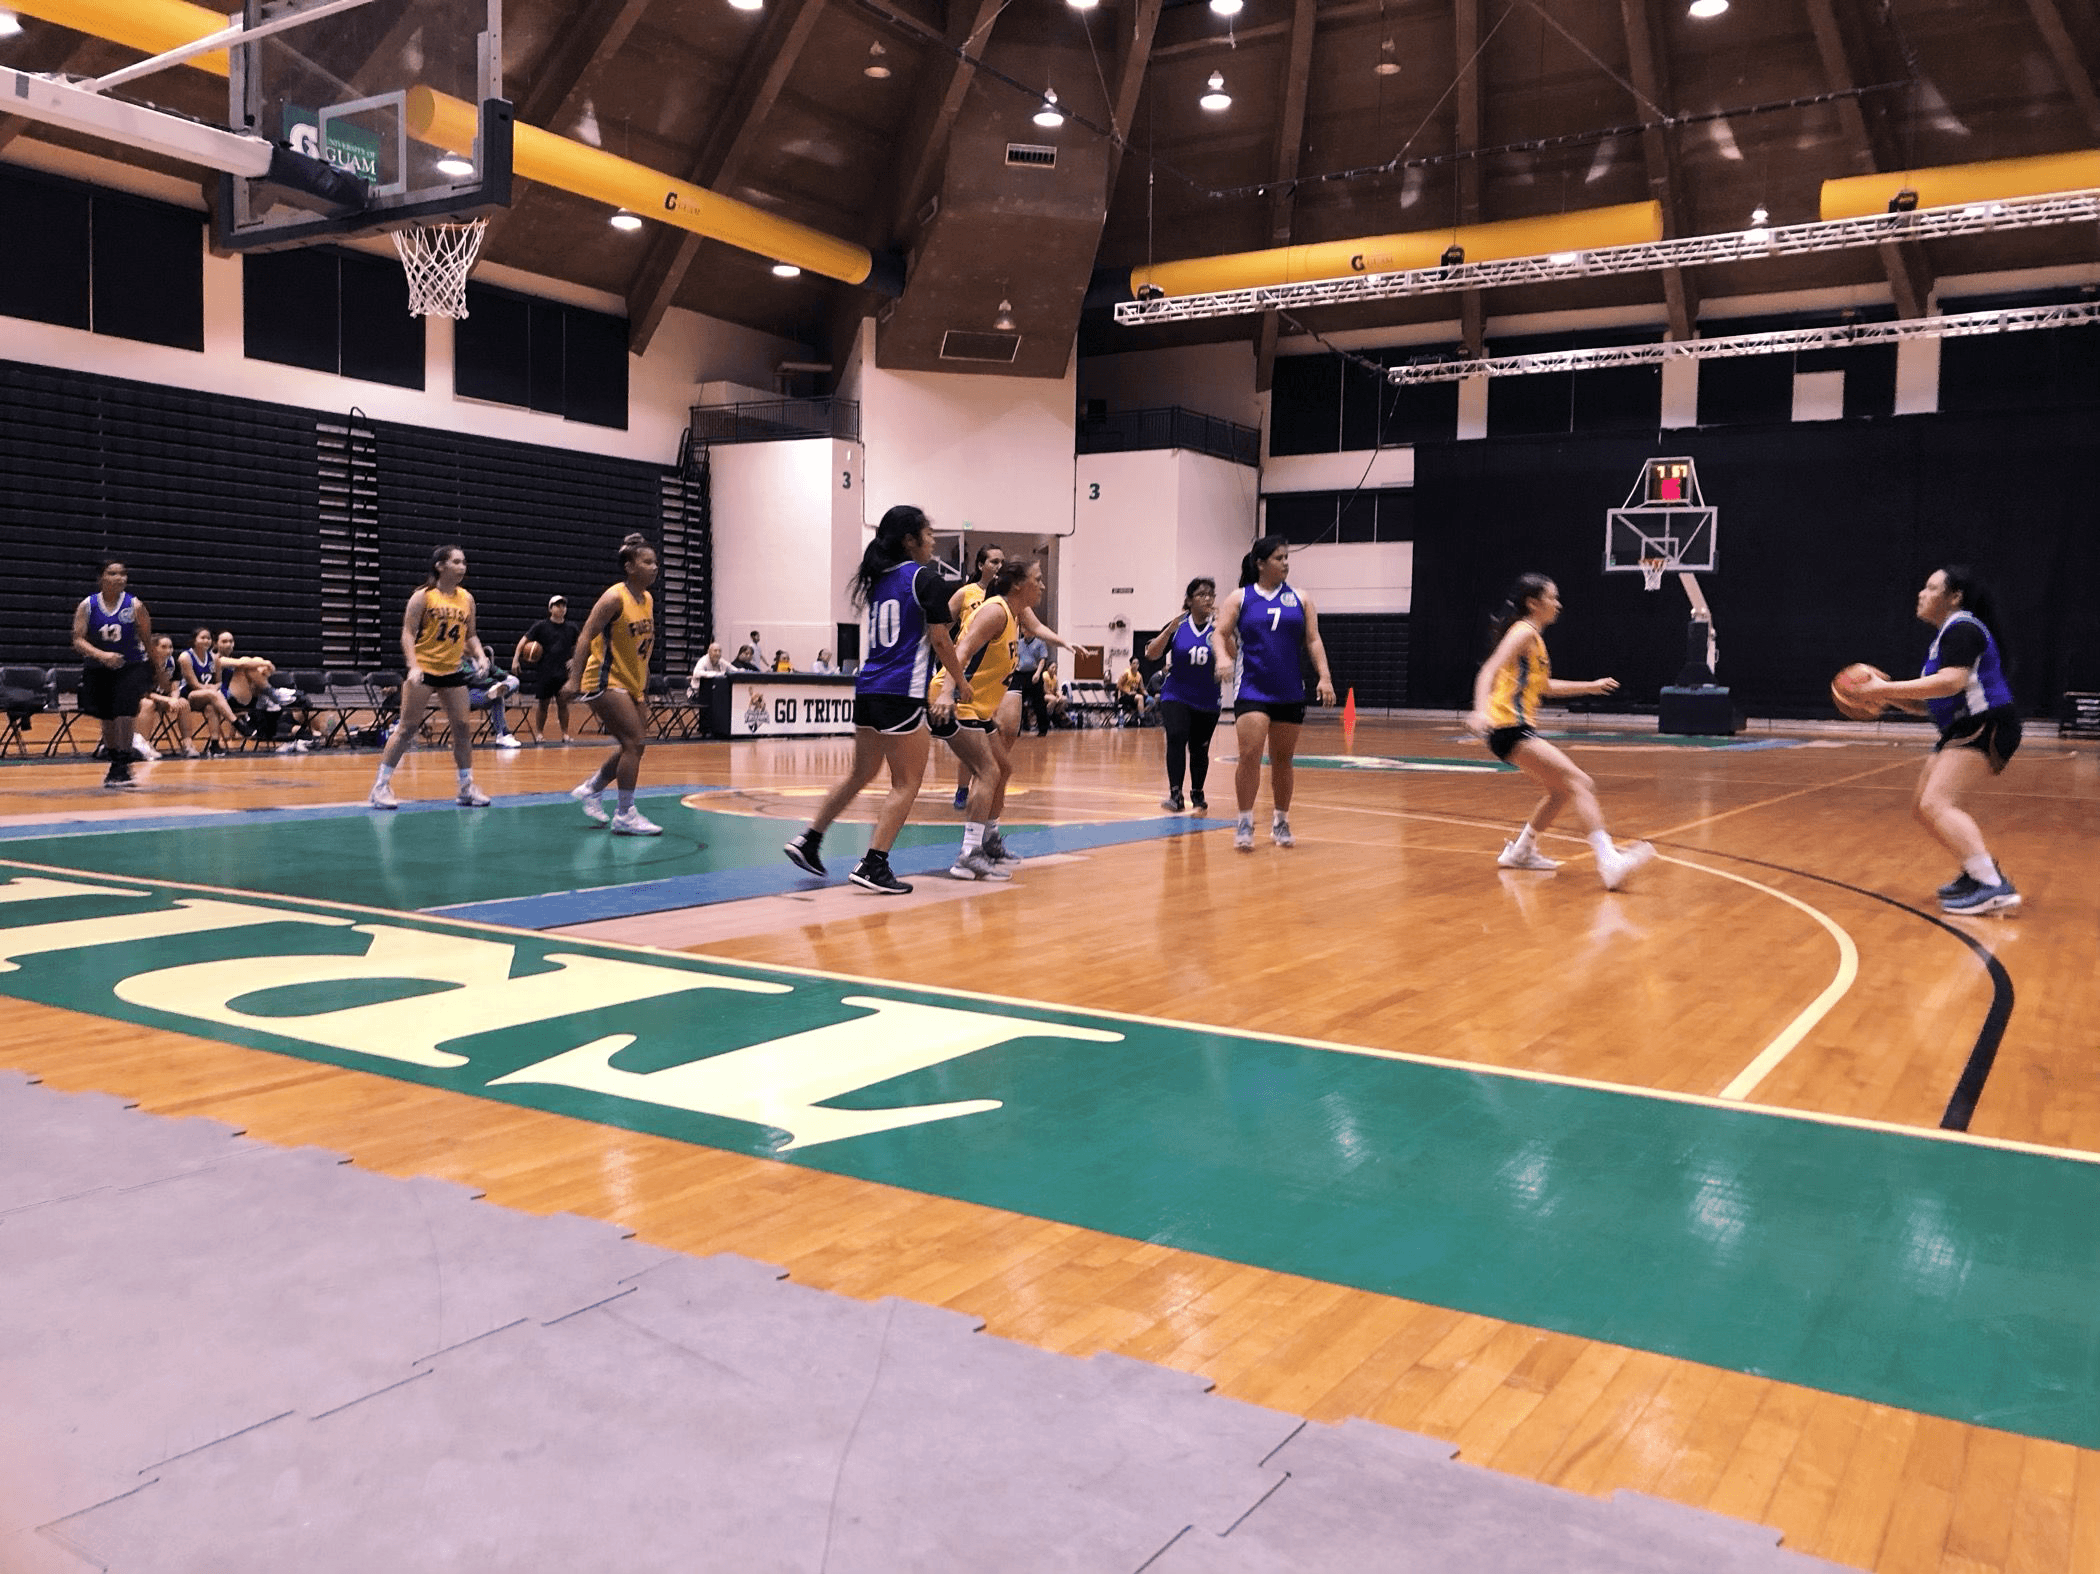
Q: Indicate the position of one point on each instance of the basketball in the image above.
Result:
(529, 653)
(1848, 703)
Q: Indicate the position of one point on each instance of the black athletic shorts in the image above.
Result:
(114, 693)
(1995, 734)
(445, 680)
(1291, 715)
(955, 724)
(1502, 741)
(549, 686)
(895, 714)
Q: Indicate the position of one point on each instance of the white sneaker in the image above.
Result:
(144, 750)
(1243, 839)
(976, 866)
(472, 797)
(1527, 858)
(1621, 862)
(284, 696)
(630, 822)
(508, 740)
(1280, 832)
(382, 797)
(592, 802)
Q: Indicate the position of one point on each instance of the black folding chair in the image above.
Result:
(25, 694)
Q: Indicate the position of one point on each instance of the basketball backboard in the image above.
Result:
(1665, 525)
(337, 88)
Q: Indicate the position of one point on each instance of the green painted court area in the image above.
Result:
(1943, 1276)
(441, 858)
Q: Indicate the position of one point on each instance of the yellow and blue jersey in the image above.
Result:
(630, 636)
(441, 638)
(1519, 684)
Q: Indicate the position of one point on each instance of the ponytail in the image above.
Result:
(1011, 573)
(887, 550)
(1977, 601)
(1515, 604)
(633, 547)
(1264, 548)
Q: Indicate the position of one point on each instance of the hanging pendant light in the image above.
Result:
(1217, 98)
(1049, 117)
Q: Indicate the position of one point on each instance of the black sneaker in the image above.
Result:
(1172, 801)
(802, 853)
(1199, 803)
(119, 778)
(1961, 885)
(873, 874)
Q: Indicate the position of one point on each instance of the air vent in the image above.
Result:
(1031, 154)
(959, 345)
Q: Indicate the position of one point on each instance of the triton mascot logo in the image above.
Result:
(755, 712)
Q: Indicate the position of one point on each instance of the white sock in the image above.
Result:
(386, 774)
(626, 801)
(1247, 820)
(466, 778)
(1983, 869)
(1600, 844)
(973, 837)
(1527, 839)
(1276, 817)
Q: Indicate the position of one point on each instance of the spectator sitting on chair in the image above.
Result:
(1054, 700)
(487, 690)
(113, 632)
(163, 702)
(711, 665)
(245, 681)
(1130, 693)
(197, 672)
(781, 662)
(823, 663)
(554, 639)
(746, 659)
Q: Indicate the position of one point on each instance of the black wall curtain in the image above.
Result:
(1826, 534)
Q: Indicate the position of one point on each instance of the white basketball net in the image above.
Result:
(438, 258)
(1652, 572)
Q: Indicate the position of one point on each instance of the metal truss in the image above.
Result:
(1962, 326)
(1751, 245)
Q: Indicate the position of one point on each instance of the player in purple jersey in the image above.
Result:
(1188, 699)
(113, 632)
(906, 598)
(1964, 690)
(1264, 630)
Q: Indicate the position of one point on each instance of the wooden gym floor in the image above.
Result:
(1864, 1328)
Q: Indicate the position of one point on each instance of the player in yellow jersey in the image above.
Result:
(611, 668)
(986, 655)
(1506, 696)
(442, 649)
(962, 606)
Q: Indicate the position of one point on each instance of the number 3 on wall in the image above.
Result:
(845, 480)
(1093, 491)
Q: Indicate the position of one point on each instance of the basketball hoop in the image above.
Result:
(1652, 572)
(437, 259)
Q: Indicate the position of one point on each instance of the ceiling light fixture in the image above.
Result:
(1706, 8)
(10, 24)
(452, 164)
(1565, 259)
(1217, 98)
(875, 68)
(1082, 5)
(1758, 215)
(760, 5)
(1228, 7)
(1004, 322)
(1049, 117)
(623, 220)
(1387, 66)
(786, 270)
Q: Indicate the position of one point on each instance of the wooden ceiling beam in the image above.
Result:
(2070, 65)
(768, 61)
(1290, 147)
(1651, 80)
(1132, 60)
(1468, 97)
(1874, 148)
(591, 36)
(925, 142)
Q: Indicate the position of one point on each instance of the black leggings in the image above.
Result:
(1188, 733)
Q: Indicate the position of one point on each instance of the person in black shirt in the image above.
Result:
(556, 637)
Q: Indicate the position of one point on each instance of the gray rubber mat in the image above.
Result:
(246, 1358)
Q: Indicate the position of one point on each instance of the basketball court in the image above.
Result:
(1762, 1186)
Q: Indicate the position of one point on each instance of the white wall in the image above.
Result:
(976, 452)
(662, 385)
(774, 532)
(1356, 576)
(1161, 518)
(1217, 379)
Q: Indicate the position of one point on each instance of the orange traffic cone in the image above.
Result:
(1349, 712)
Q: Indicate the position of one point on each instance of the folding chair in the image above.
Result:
(65, 709)
(25, 693)
(313, 713)
(671, 715)
(348, 700)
